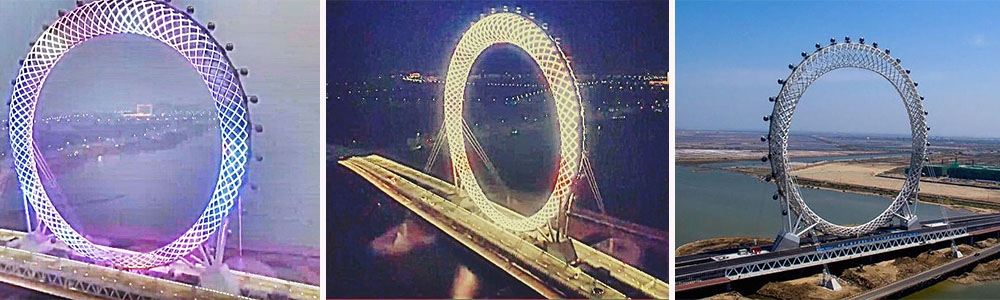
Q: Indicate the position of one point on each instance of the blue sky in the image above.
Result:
(730, 55)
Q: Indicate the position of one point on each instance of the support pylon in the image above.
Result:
(829, 282)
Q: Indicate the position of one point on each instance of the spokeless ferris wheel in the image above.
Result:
(524, 32)
(798, 217)
(177, 29)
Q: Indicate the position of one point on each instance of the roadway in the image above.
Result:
(535, 267)
(897, 287)
(695, 259)
(651, 234)
(79, 280)
(649, 286)
(527, 263)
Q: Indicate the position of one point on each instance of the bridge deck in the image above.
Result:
(895, 288)
(538, 269)
(649, 286)
(75, 279)
(700, 271)
(62, 277)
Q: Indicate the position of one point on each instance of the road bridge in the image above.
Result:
(713, 269)
(594, 275)
(75, 279)
(895, 289)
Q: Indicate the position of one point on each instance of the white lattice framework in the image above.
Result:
(846, 251)
(159, 21)
(823, 60)
(520, 31)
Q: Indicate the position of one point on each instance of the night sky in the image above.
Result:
(371, 38)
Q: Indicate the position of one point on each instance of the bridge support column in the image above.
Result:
(219, 277)
(466, 203)
(35, 241)
(785, 241)
(560, 244)
(216, 274)
(829, 282)
(912, 223)
(563, 250)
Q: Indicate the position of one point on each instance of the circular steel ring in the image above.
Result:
(520, 31)
(824, 60)
(176, 29)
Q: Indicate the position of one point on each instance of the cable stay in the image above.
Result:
(588, 171)
(481, 153)
(239, 207)
(435, 150)
(478, 147)
(47, 179)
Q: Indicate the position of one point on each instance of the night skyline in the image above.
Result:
(594, 35)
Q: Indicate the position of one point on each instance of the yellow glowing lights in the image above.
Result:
(520, 31)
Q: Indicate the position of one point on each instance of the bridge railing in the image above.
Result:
(254, 284)
(842, 252)
(66, 274)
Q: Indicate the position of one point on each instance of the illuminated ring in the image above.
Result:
(520, 31)
(824, 60)
(179, 31)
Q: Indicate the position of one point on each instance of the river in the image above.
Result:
(745, 208)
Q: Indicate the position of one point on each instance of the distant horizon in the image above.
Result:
(793, 132)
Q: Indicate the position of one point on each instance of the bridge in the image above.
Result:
(899, 288)
(595, 275)
(724, 267)
(76, 279)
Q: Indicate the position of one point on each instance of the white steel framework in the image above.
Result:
(164, 23)
(521, 31)
(800, 218)
(842, 252)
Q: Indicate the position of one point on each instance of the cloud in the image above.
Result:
(979, 41)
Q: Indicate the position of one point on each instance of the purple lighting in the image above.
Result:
(176, 29)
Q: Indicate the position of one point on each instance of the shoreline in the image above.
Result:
(703, 156)
(972, 205)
